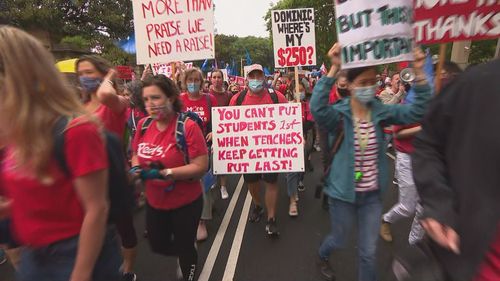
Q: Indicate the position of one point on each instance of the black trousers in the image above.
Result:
(173, 233)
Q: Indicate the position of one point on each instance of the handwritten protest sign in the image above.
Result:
(374, 31)
(258, 139)
(455, 20)
(166, 69)
(176, 30)
(294, 37)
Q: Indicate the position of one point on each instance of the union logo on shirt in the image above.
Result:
(148, 150)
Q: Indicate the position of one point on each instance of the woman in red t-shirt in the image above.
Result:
(201, 104)
(60, 219)
(97, 80)
(173, 187)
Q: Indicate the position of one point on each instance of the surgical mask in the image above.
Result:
(89, 84)
(343, 92)
(302, 95)
(365, 94)
(193, 87)
(255, 85)
(161, 111)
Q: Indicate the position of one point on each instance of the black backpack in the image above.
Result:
(120, 190)
(243, 94)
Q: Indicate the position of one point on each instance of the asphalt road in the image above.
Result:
(241, 251)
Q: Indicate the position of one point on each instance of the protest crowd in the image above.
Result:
(77, 162)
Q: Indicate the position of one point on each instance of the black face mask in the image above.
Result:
(343, 92)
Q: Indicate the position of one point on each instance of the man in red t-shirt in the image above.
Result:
(258, 94)
(223, 98)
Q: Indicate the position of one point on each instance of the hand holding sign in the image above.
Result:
(335, 60)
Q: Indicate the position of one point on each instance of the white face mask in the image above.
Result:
(365, 94)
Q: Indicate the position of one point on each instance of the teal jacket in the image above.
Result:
(340, 183)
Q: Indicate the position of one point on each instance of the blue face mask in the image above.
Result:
(255, 85)
(193, 87)
(89, 84)
(365, 94)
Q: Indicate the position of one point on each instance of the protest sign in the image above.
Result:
(456, 20)
(125, 72)
(167, 31)
(166, 69)
(294, 37)
(258, 139)
(374, 32)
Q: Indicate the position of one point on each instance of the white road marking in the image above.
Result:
(238, 238)
(214, 250)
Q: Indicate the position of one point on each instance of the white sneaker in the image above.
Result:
(179, 271)
(223, 192)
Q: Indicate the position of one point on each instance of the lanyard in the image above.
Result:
(363, 139)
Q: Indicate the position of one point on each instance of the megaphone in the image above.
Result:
(407, 75)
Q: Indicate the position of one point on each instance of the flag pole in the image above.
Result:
(297, 95)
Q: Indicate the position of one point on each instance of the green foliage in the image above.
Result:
(324, 12)
(232, 47)
(85, 23)
(482, 51)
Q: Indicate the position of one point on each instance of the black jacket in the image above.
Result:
(456, 166)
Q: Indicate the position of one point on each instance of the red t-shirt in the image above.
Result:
(404, 145)
(490, 268)
(306, 111)
(114, 122)
(251, 99)
(199, 107)
(223, 98)
(158, 146)
(44, 214)
(333, 97)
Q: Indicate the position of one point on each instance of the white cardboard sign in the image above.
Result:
(258, 139)
(374, 32)
(174, 30)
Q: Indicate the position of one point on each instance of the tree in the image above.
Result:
(92, 23)
(324, 12)
(229, 48)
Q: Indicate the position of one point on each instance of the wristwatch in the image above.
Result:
(167, 173)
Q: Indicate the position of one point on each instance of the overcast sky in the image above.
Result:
(241, 17)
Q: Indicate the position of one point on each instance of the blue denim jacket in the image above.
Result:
(340, 182)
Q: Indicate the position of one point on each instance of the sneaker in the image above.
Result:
(301, 186)
(201, 233)
(223, 192)
(272, 227)
(395, 181)
(317, 148)
(292, 209)
(385, 231)
(256, 214)
(129, 276)
(326, 269)
(3, 257)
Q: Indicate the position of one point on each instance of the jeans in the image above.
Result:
(56, 261)
(366, 211)
(292, 181)
(408, 196)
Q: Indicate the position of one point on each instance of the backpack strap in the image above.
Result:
(58, 134)
(241, 97)
(209, 104)
(273, 95)
(145, 125)
(336, 146)
(180, 137)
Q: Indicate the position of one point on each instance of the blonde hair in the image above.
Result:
(189, 72)
(33, 95)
